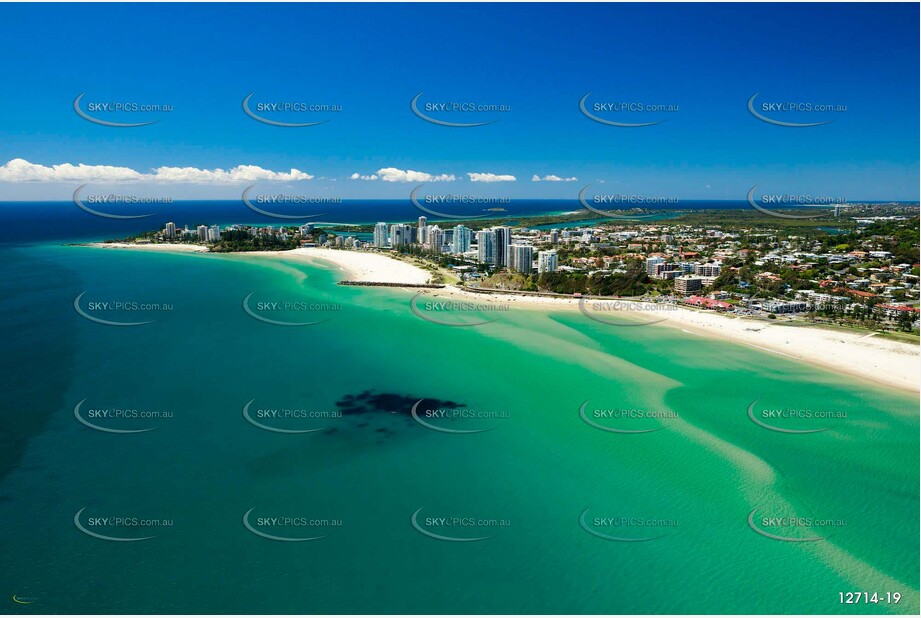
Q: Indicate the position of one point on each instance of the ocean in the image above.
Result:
(555, 464)
(45, 221)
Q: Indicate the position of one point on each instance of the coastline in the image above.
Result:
(882, 361)
(166, 248)
(890, 363)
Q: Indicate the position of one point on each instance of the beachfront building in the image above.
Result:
(401, 234)
(421, 234)
(503, 240)
(780, 306)
(461, 241)
(652, 264)
(546, 261)
(170, 230)
(486, 247)
(708, 270)
(202, 232)
(214, 233)
(380, 235)
(435, 238)
(687, 284)
(521, 257)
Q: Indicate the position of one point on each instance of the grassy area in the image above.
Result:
(911, 338)
(439, 275)
(857, 330)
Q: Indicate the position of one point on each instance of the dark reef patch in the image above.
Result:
(368, 402)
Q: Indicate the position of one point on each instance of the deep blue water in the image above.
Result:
(26, 222)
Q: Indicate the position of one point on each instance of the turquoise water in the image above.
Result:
(526, 481)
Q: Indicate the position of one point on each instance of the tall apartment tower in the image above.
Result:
(380, 234)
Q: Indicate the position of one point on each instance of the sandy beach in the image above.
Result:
(888, 362)
(363, 266)
(172, 247)
(893, 363)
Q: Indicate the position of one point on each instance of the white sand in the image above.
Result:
(885, 361)
(364, 266)
(892, 363)
(888, 362)
(169, 247)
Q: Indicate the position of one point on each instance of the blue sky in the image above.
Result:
(537, 59)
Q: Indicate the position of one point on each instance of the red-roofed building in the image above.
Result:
(894, 311)
(707, 303)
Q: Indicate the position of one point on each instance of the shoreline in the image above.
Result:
(163, 247)
(890, 363)
(894, 364)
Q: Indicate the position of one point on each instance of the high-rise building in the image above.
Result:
(546, 261)
(305, 229)
(422, 233)
(214, 233)
(401, 234)
(202, 232)
(554, 236)
(380, 234)
(652, 263)
(461, 242)
(687, 284)
(486, 246)
(436, 238)
(171, 230)
(521, 257)
(708, 270)
(503, 239)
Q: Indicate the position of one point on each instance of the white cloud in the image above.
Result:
(21, 170)
(488, 177)
(240, 173)
(553, 178)
(18, 170)
(392, 174)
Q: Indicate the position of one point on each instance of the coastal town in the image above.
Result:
(866, 275)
